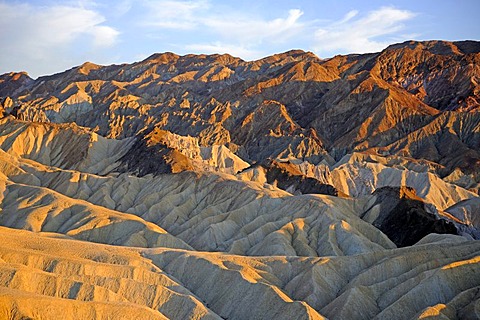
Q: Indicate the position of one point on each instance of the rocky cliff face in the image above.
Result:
(208, 187)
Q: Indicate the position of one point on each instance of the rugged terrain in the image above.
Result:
(212, 187)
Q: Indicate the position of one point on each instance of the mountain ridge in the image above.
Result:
(180, 91)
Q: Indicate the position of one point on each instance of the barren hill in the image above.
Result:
(209, 187)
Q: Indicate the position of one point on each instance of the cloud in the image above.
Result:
(104, 36)
(43, 39)
(173, 14)
(227, 23)
(250, 35)
(121, 8)
(247, 29)
(225, 29)
(40, 38)
(370, 33)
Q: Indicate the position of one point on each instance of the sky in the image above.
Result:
(46, 37)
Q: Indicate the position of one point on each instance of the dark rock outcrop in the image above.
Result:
(153, 155)
(404, 217)
(287, 177)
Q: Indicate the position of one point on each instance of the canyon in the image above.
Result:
(209, 187)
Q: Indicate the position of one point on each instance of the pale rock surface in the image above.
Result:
(89, 280)
(222, 159)
(398, 284)
(207, 211)
(468, 212)
(63, 146)
(362, 178)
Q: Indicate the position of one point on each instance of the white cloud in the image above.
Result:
(40, 38)
(173, 14)
(48, 38)
(104, 36)
(237, 32)
(247, 29)
(251, 35)
(362, 34)
(349, 16)
(121, 7)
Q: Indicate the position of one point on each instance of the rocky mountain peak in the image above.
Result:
(87, 67)
(12, 81)
(162, 58)
(439, 47)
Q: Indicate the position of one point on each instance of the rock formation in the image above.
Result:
(209, 187)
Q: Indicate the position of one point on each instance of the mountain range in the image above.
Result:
(206, 186)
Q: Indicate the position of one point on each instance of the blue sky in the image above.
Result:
(45, 37)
